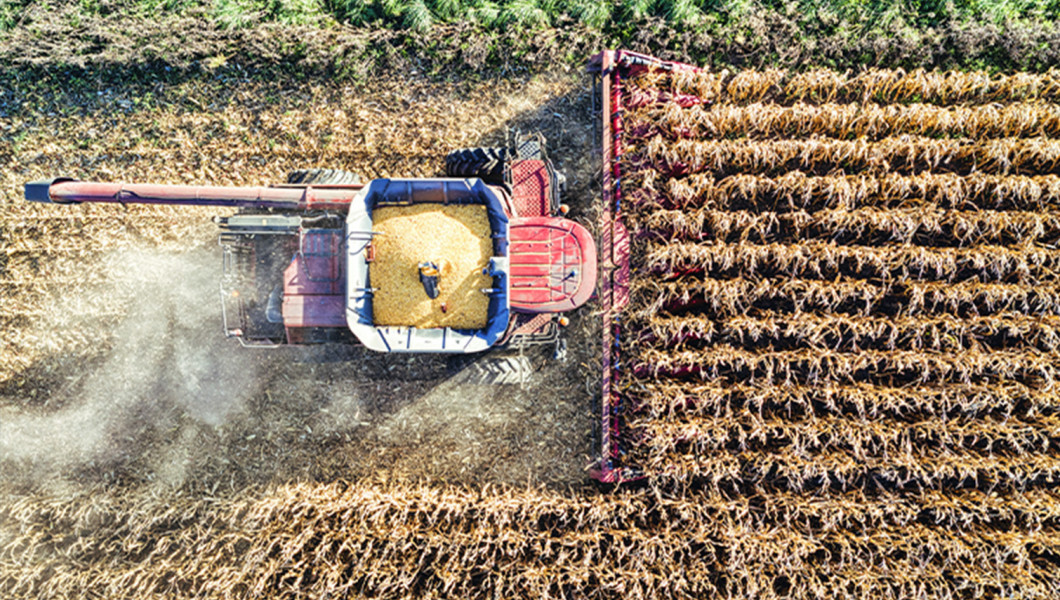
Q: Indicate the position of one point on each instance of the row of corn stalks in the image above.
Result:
(880, 86)
(849, 333)
(855, 297)
(869, 226)
(401, 540)
(817, 259)
(906, 154)
(797, 191)
(842, 121)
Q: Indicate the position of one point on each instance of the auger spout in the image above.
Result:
(286, 197)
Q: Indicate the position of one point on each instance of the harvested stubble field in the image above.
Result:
(841, 356)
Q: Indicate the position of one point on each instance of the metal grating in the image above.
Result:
(530, 188)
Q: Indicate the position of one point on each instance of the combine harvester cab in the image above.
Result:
(298, 258)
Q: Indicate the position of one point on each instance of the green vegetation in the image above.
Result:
(356, 39)
(608, 16)
(692, 13)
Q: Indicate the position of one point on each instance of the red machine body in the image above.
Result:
(553, 264)
(314, 289)
(279, 230)
(286, 197)
(610, 96)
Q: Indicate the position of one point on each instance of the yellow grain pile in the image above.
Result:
(457, 239)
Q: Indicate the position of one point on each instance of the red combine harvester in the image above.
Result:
(298, 257)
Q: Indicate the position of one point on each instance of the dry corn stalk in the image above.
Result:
(869, 226)
(901, 154)
(331, 540)
(795, 191)
(815, 259)
(880, 86)
(667, 400)
(845, 295)
(851, 333)
(767, 121)
(832, 434)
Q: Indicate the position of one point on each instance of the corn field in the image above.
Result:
(844, 292)
(839, 362)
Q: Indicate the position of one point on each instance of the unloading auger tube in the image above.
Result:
(297, 258)
(283, 197)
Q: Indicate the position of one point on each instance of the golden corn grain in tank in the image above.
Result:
(457, 240)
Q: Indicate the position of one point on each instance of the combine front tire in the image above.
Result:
(485, 163)
(322, 177)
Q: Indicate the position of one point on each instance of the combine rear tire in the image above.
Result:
(322, 177)
(490, 370)
(485, 163)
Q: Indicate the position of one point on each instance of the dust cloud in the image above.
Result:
(169, 374)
